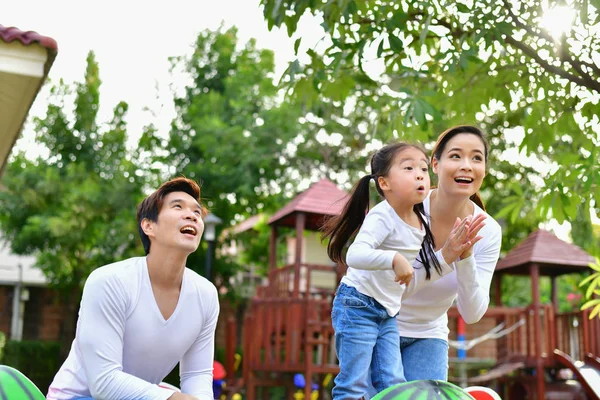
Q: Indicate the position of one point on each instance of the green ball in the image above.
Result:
(423, 390)
(16, 386)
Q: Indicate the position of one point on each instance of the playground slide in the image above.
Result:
(587, 372)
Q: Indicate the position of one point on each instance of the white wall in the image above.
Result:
(313, 252)
(9, 268)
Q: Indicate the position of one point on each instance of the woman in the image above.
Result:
(459, 160)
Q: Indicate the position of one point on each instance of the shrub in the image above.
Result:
(38, 360)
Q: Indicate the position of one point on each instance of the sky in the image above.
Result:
(132, 41)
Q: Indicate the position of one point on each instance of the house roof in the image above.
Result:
(555, 256)
(244, 226)
(15, 268)
(25, 60)
(10, 33)
(321, 199)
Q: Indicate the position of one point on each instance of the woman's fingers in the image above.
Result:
(477, 239)
(477, 223)
(460, 223)
(456, 224)
(460, 229)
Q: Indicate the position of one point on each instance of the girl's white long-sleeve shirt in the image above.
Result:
(370, 257)
(424, 313)
(124, 346)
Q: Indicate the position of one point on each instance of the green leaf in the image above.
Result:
(514, 216)
(591, 288)
(275, 12)
(380, 49)
(595, 266)
(425, 30)
(463, 8)
(398, 20)
(395, 43)
(419, 113)
(297, 45)
(506, 210)
(583, 12)
(351, 8)
(590, 303)
(596, 4)
(518, 190)
(588, 279)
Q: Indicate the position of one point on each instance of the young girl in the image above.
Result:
(379, 261)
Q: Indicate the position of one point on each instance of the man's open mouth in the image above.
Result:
(189, 230)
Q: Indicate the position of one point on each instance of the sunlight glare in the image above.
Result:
(558, 20)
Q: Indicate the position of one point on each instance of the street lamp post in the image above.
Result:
(210, 223)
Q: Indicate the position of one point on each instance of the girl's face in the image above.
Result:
(461, 167)
(408, 178)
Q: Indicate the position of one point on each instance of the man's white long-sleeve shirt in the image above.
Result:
(123, 345)
(424, 313)
(371, 255)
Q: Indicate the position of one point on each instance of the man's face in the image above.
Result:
(179, 226)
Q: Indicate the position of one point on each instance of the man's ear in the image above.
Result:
(147, 227)
(434, 165)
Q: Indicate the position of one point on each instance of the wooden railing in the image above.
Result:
(572, 332)
(288, 329)
(283, 281)
(577, 335)
(289, 335)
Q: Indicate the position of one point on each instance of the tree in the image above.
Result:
(75, 209)
(450, 62)
(249, 147)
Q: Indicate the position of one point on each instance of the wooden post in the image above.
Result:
(501, 343)
(300, 223)
(230, 345)
(498, 290)
(537, 330)
(554, 289)
(273, 249)
(308, 348)
(553, 321)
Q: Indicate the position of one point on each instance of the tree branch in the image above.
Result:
(564, 51)
(582, 78)
(577, 64)
(586, 82)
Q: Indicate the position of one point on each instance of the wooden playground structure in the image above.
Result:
(534, 350)
(287, 329)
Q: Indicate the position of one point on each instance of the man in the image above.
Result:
(140, 317)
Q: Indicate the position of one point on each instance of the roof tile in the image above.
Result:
(322, 198)
(10, 33)
(544, 247)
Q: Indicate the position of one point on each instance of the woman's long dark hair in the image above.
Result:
(341, 228)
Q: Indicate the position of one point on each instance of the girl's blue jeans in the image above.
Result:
(367, 343)
(425, 358)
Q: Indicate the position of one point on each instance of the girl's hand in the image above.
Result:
(403, 270)
(476, 224)
(457, 242)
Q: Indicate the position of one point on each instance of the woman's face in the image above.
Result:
(461, 167)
